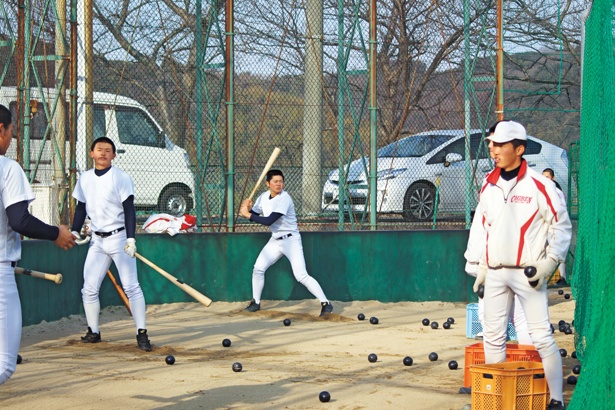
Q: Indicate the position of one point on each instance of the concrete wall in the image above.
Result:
(388, 266)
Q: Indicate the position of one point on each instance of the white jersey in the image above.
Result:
(282, 204)
(103, 197)
(14, 188)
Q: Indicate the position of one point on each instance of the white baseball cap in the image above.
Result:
(507, 131)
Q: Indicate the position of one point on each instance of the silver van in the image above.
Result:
(160, 169)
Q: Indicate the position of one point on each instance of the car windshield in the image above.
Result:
(414, 146)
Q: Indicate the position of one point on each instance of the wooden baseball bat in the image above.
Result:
(186, 288)
(56, 278)
(272, 158)
(120, 291)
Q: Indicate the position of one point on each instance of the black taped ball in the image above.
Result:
(567, 296)
(360, 316)
(373, 320)
(552, 328)
(169, 360)
(324, 396)
(226, 343)
(372, 358)
(19, 359)
(450, 320)
(433, 356)
(237, 367)
(568, 331)
(576, 369)
(529, 271)
(572, 380)
(286, 322)
(561, 323)
(434, 325)
(563, 352)
(408, 361)
(574, 354)
(426, 322)
(446, 325)
(453, 365)
(560, 292)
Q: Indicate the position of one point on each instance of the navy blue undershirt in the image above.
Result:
(28, 225)
(265, 220)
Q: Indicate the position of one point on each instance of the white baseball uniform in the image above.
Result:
(285, 240)
(103, 197)
(518, 222)
(14, 188)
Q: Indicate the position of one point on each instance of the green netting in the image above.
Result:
(593, 271)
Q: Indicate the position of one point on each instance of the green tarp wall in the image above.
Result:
(388, 266)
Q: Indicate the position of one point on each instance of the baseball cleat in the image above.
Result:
(91, 337)
(253, 306)
(556, 405)
(327, 307)
(143, 341)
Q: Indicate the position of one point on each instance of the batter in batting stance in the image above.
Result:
(275, 209)
(106, 195)
(520, 221)
(15, 195)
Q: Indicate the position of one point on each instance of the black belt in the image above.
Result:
(13, 264)
(285, 236)
(106, 234)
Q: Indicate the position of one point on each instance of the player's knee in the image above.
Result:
(544, 343)
(134, 291)
(259, 270)
(303, 279)
(89, 294)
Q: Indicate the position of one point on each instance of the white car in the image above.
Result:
(421, 170)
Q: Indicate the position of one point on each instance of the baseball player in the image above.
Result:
(106, 195)
(15, 196)
(275, 209)
(520, 221)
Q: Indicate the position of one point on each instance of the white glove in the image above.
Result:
(131, 247)
(481, 275)
(544, 269)
(79, 240)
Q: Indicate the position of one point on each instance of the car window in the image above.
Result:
(457, 147)
(533, 147)
(100, 125)
(414, 146)
(134, 127)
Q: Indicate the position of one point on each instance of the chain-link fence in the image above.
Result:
(196, 95)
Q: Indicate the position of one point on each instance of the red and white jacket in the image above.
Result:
(523, 225)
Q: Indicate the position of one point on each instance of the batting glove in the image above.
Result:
(79, 240)
(131, 247)
(544, 269)
(481, 275)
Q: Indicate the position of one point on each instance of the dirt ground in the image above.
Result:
(284, 367)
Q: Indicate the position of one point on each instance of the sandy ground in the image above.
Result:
(283, 366)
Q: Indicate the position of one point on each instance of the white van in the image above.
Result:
(160, 169)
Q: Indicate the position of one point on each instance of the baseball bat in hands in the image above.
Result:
(54, 277)
(186, 288)
(272, 158)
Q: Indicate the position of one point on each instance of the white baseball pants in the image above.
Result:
(501, 286)
(292, 248)
(101, 253)
(10, 322)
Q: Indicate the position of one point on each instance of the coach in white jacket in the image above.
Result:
(520, 221)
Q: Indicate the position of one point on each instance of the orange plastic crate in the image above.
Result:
(475, 354)
(509, 386)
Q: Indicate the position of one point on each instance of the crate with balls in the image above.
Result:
(475, 354)
(509, 386)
